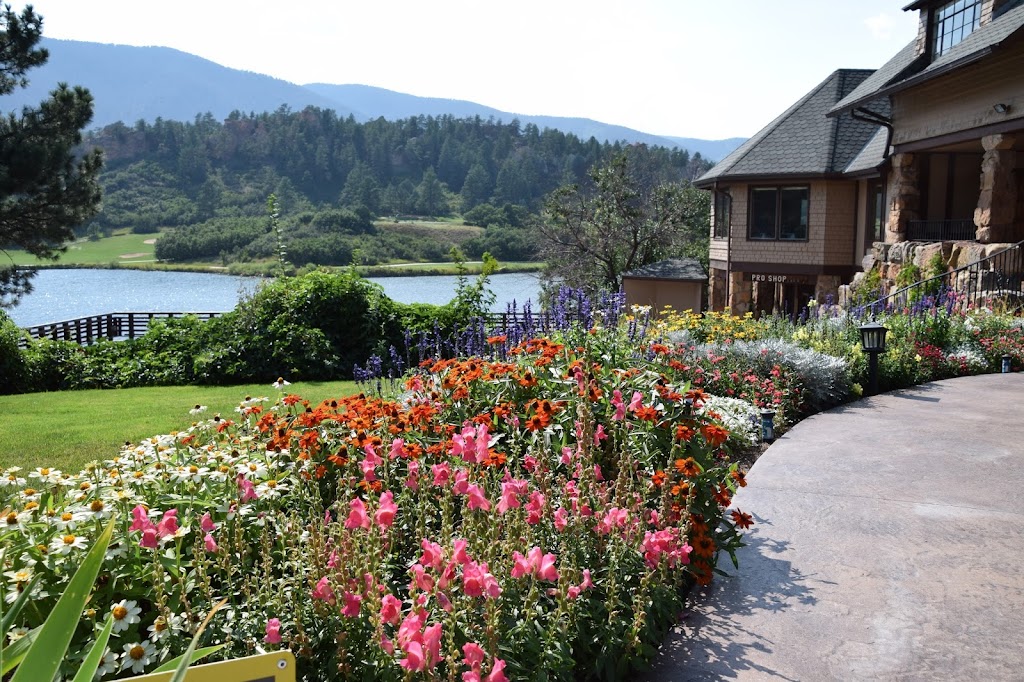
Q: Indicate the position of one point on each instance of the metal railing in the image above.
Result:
(113, 326)
(998, 278)
(941, 230)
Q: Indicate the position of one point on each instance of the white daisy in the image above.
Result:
(281, 383)
(137, 656)
(64, 544)
(125, 614)
(198, 409)
(16, 633)
(108, 664)
(162, 627)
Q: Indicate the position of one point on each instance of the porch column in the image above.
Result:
(904, 197)
(994, 217)
(739, 294)
(717, 295)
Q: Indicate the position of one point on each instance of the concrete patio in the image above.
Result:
(888, 545)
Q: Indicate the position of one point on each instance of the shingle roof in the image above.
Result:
(684, 269)
(802, 141)
(872, 155)
(907, 69)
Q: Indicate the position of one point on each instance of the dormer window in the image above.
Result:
(952, 22)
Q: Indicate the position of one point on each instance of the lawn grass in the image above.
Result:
(99, 252)
(68, 429)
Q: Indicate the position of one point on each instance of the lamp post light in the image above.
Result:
(872, 341)
(1006, 363)
(767, 426)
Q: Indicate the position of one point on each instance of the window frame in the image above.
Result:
(777, 236)
(942, 27)
(723, 205)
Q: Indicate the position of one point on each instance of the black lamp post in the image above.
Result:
(872, 340)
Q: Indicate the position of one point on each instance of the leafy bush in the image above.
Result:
(14, 372)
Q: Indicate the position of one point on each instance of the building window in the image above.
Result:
(953, 22)
(723, 215)
(779, 213)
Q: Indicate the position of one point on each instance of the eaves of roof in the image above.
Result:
(903, 71)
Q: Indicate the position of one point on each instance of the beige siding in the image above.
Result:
(963, 99)
(840, 223)
(863, 210)
(661, 293)
(832, 226)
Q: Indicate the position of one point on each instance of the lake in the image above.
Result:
(68, 294)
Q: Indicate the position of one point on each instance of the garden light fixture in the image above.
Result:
(1006, 364)
(872, 340)
(767, 426)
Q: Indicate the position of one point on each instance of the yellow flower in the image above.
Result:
(917, 358)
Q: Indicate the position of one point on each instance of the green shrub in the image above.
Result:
(13, 369)
(54, 365)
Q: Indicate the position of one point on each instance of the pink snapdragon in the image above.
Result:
(390, 609)
(247, 489)
(619, 405)
(140, 519)
(273, 635)
(168, 525)
(210, 544)
(386, 510)
(441, 472)
(352, 604)
(477, 499)
(536, 564)
(471, 443)
(477, 581)
(207, 524)
(323, 591)
(357, 516)
(665, 543)
(535, 508)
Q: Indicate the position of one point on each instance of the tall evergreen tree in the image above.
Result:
(45, 191)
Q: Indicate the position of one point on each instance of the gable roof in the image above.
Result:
(907, 69)
(802, 141)
(683, 269)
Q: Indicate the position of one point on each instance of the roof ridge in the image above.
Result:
(752, 143)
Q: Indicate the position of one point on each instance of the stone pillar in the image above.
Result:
(997, 203)
(739, 294)
(904, 197)
(825, 286)
(718, 285)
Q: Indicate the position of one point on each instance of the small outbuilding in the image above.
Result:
(676, 282)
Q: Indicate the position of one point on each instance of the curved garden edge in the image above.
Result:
(887, 534)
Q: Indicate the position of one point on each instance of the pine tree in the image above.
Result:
(46, 188)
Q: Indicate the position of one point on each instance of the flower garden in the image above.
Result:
(535, 509)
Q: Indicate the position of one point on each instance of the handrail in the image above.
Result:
(971, 293)
(113, 326)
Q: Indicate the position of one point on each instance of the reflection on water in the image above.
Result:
(68, 294)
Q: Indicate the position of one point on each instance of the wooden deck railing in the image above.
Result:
(113, 326)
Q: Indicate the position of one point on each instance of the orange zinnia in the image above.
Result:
(687, 467)
(742, 520)
(714, 434)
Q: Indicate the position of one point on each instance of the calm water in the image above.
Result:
(68, 294)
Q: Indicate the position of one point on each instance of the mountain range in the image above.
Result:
(132, 83)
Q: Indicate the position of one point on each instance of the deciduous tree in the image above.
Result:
(46, 188)
(626, 218)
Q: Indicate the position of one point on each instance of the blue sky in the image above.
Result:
(692, 68)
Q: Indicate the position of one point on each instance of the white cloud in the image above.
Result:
(880, 26)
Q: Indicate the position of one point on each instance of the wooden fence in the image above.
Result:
(113, 326)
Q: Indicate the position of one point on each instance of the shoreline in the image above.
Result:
(393, 270)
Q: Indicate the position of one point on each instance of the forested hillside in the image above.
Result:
(210, 180)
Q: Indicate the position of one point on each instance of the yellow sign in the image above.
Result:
(278, 666)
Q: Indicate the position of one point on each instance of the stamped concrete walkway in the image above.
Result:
(889, 545)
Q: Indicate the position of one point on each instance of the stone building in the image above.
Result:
(928, 149)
